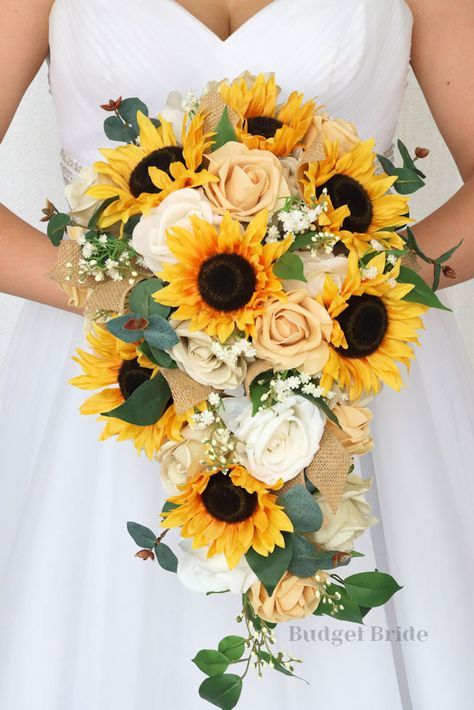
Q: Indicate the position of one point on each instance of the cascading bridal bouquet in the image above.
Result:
(246, 292)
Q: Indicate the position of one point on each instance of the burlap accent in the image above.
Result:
(312, 154)
(254, 370)
(69, 252)
(112, 295)
(296, 481)
(213, 105)
(328, 470)
(411, 262)
(185, 391)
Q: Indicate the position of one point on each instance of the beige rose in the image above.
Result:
(293, 598)
(250, 181)
(325, 128)
(316, 268)
(352, 517)
(354, 433)
(294, 333)
(181, 460)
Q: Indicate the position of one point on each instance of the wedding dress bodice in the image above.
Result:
(351, 55)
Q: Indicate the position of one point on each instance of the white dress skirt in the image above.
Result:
(84, 625)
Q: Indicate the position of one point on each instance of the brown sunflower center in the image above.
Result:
(225, 501)
(364, 323)
(344, 190)
(140, 181)
(131, 375)
(263, 126)
(226, 282)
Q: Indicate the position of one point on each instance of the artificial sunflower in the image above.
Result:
(262, 124)
(351, 180)
(222, 277)
(118, 369)
(231, 512)
(372, 326)
(141, 176)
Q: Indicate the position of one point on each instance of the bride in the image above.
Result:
(85, 625)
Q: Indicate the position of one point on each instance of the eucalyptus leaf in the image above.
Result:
(222, 690)
(304, 561)
(158, 357)
(144, 537)
(302, 509)
(168, 505)
(116, 130)
(146, 405)
(408, 181)
(270, 569)
(128, 110)
(422, 293)
(371, 589)
(141, 299)
(166, 557)
(289, 267)
(57, 227)
(160, 334)
(225, 131)
(116, 326)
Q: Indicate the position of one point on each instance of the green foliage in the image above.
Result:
(146, 405)
(271, 569)
(92, 224)
(128, 110)
(166, 557)
(289, 266)
(160, 334)
(159, 357)
(302, 240)
(225, 131)
(117, 326)
(409, 178)
(141, 299)
(323, 406)
(350, 612)
(304, 561)
(302, 509)
(222, 690)
(422, 293)
(144, 537)
(211, 662)
(116, 130)
(123, 126)
(168, 505)
(369, 589)
(232, 647)
(57, 227)
(257, 390)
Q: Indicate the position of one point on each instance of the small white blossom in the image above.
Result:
(369, 273)
(376, 245)
(214, 399)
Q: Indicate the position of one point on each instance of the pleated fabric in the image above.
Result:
(85, 625)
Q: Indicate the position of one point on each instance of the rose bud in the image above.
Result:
(449, 272)
(422, 152)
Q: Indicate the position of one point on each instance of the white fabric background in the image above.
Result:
(29, 173)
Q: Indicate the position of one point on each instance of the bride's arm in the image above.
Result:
(443, 62)
(26, 254)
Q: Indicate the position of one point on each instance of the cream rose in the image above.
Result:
(294, 333)
(325, 128)
(279, 441)
(316, 268)
(293, 598)
(212, 574)
(83, 205)
(149, 236)
(351, 519)
(174, 114)
(207, 361)
(249, 181)
(354, 431)
(180, 460)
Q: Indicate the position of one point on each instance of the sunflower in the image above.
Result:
(351, 180)
(143, 175)
(231, 512)
(262, 124)
(118, 368)
(372, 326)
(222, 277)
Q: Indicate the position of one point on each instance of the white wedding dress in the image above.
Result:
(86, 626)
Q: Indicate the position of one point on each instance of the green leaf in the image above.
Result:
(144, 537)
(116, 326)
(130, 224)
(289, 266)
(323, 406)
(386, 164)
(232, 647)
(350, 612)
(168, 505)
(302, 240)
(160, 334)
(222, 690)
(128, 110)
(304, 562)
(408, 161)
(159, 357)
(408, 181)
(448, 254)
(57, 226)
(166, 557)
(422, 293)
(371, 589)
(211, 662)
(92, 224)
(140, 299)
(258, 390)
(271, 569)
(146, 405)
(330, 559)
(436, 277)
(302, 509)
(277, 665)
(116, 130)
(225, 131)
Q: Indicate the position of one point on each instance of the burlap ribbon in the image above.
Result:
(296, 481)
(213, 106)
(328, 470)
(254, 370)
(185, 391)
(411, 262)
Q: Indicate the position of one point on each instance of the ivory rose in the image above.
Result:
(149, 236)
(249, 181)
(196, 355)
(293, 598)
(352, 517)
(83, 205)
(354, 431)
(326, 128)
(212, 574)
(316, 268)
(294, 333)
(279, 441)
(174, 114)
(181, 460)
